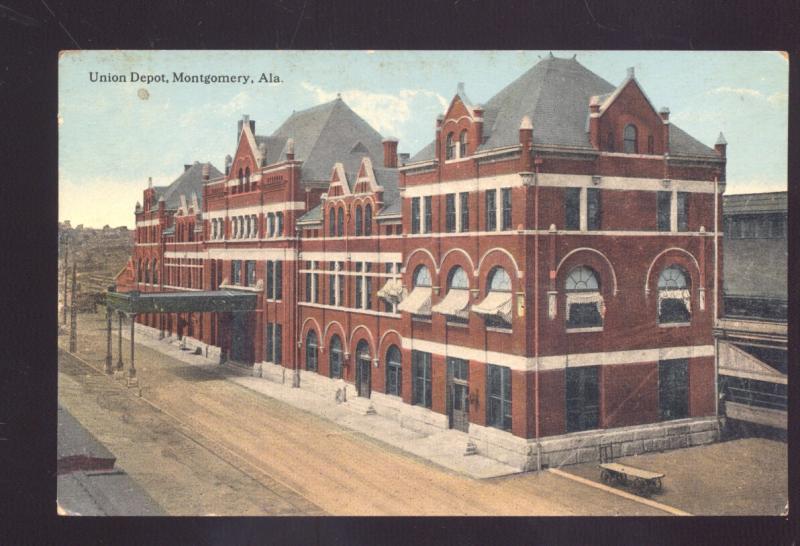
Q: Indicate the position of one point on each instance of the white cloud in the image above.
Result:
(744, 91)
(387, 113)
(778, 98)
(236, 105)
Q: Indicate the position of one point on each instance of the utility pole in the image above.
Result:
(66, 265)
(73, 314)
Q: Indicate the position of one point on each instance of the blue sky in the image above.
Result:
(110, 140)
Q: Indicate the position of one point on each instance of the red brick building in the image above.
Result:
(543, 276)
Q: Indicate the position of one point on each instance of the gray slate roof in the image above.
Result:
(190, 180)
(555, 95)
(755, 203)
(388, 178)
(327, 134)
(276, 146)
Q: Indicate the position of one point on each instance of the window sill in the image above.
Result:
(582, 330)
(500, 330)
(457, 324)
(425, 320)
(674, 324)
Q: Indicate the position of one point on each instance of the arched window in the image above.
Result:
(147, 271)
(394, 371)
(332, 222)
(630, 139)
(248, 220)
(312, 353)
(279, 220)
(247, 179)
(270, 225)
(462, 144)
(241, 180)
(335, 357)
(585, 306)
(214, 228)
(255, 225)
(422, 276)
(496, 306)
(499, 281)
(450, 148)
(139, 273)
(455, 304)
(340, 223)
(368, 220)
(358, 221)
(235, 228)
(363, 371)
(674, 296)
(155, 271)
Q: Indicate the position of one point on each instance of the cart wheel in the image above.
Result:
(640, 486)
(605, 476)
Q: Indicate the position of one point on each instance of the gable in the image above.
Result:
(247, 154)
(630, 105)
(338, 186)
(457, 110)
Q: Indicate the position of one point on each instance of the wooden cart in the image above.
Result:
(643, 482)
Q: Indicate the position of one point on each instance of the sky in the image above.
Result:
(113, 136)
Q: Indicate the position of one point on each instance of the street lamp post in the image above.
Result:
(73, 315)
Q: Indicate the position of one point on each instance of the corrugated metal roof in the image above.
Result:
(755, 203)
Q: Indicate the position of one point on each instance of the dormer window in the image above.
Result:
(462, 144)
(630, 140)
(450, 148)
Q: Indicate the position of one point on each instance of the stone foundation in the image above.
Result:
(583, 447)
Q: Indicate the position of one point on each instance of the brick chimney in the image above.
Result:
(186, 167)
(205, 172)
(594, 122)
(721, 145)
(478, 124)
(526, 140)
(438, 147)
(228, 162)
(290, 150)
(390, 152)
(664, 113)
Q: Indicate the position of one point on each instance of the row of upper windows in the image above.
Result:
(243, 273)
(362, 224)
(630, 141)
(453, 149)
(457, 208)
(765, 226)
(362, 284)
(247, 227)
(585, 307)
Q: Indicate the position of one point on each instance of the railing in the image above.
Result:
(755, 398)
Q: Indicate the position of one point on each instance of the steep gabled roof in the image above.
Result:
(275, 147)
(555, 95)
(190, 180)
(327, 134)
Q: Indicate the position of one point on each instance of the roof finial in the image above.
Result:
(149, 182)
(526, 123)
(460, 88)
(631, 72)
(721, 140)
(339, 96)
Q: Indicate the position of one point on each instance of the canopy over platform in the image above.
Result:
(178, 302)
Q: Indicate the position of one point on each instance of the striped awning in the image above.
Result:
(495, 304)
(455, 303)
(418, 302)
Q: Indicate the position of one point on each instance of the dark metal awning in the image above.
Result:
(178, 302)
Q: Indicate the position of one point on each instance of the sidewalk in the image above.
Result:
(445, 448)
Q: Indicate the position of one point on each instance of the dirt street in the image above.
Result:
(270, 458)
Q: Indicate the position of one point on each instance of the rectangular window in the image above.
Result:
(498, 397)
(278, 343)
(359, 295)
(415, 215)
(673, 388)
(368, 292)
(317, 289)
(269, 345)
(421, 371)
(572, 208)
(583, 398)
(341, 284)
(506, 192)
(593, 209)
(778, 228)
(332, 284)
(250, 268)
(270, 280)
(450, 213)
(683, 207)
(491, 210)
(464, 211)
(309, 296)
(278, 288)
(664, 205)
(428, 214)
(236, 272)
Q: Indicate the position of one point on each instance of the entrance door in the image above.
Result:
(458, 393)
(363, 370)
(241, 340)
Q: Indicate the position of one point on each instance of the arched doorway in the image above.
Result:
(363, 369)
(335, 357)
